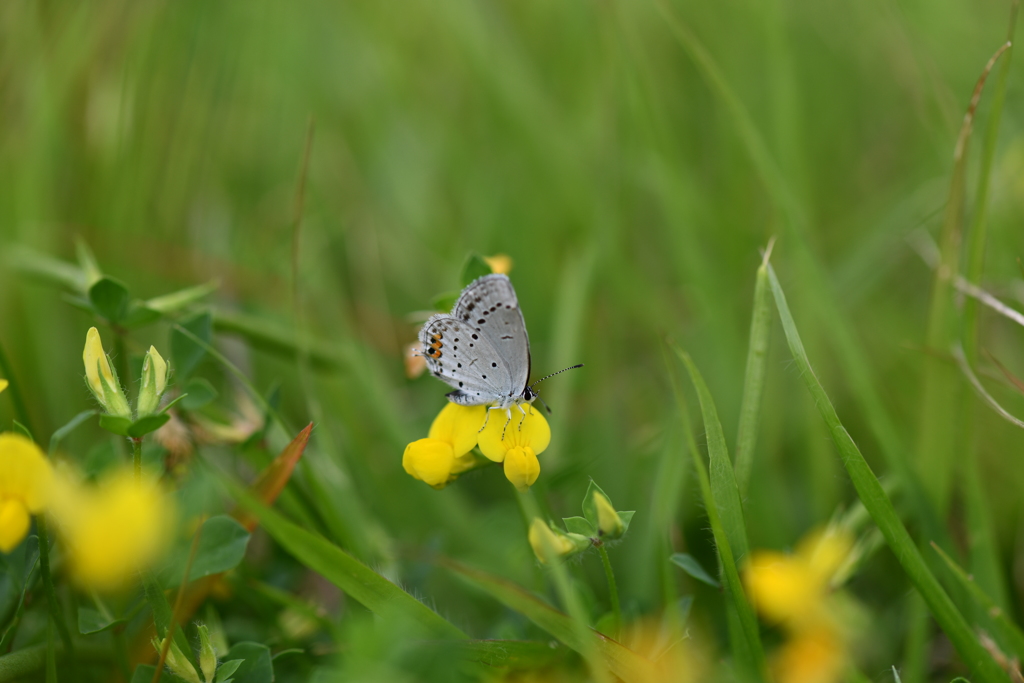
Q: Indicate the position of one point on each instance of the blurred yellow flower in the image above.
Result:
(791, 589)
(113, 529)
(25, 482)
(3, 384)
(445, 453)
(794, 590)
(499, 263)
(517, 442)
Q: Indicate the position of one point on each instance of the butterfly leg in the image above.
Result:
(523, 419)
(508, 414)
(487, 416)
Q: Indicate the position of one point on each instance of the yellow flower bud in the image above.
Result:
(609, 524)
(499, 263)
(207, 655)
(522, 467)
(177, 662)
(154, 382)
(547, 545)
(25, 482)
(3, 385)
(100, 377)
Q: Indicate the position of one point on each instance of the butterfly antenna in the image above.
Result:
(553, 374)
(546, 407)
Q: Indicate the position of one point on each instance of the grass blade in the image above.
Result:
(1007, 634)
(622, 661)
(721, 498)
(880, 507)
(753, 380)
(360, 582)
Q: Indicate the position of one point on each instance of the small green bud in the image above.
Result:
(551, 544)
(177, 662)
(207, 654)
(609, 524)
(154, 382)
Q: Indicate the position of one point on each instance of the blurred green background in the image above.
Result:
(583, 140)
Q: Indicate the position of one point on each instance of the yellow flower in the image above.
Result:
(444, 454)
(499, 263)
(101, 378)
(524, 438)
(113, 529)
(3, 385)
(791, 589)
(795, 591)
(550, 546)
(25, 481)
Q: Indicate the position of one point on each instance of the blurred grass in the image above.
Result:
(584, 141)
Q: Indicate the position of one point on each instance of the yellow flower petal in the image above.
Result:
(781, 586)
(3, 385)
(532, 431)
(499, 263)
(430, 461)
(95, 359)
(522, 467)
(459, 426)
(824, 552)
(25, 473)
(113, 530)
(14, 521)
(816, 656)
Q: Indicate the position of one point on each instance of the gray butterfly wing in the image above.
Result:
(458, 355)
(489, 304)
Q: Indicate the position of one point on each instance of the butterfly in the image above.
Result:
(481, 348)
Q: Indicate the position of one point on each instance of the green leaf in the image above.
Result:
(91, 620)
(186, 354)
(753, 379)
(144, 674)
(222, 545)
(139, 315)
(690, 565)
(148, 424)
(361, 583)
(622, 661)
(199, 392)
(256, 666)
(474, 267)
(444, 302)
(110, 299)
(626, 516)
(115, 424)
(227, 669)
(579, 525)
(175, 301)
(71, 426)
(877, 503)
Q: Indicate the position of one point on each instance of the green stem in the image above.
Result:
(613, 590)
(567, 593)
(6, 372)
(137, 459)
(51, 595)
